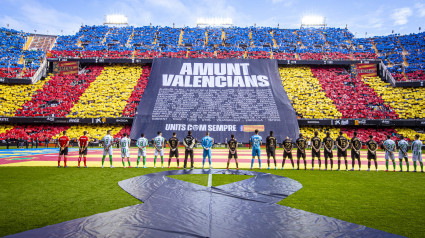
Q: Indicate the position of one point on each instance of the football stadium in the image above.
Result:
(209, 124)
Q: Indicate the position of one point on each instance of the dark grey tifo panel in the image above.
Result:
(224, 97)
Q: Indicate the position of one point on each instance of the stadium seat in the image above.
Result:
(308, 132)
(125, 129)
(14, 96)
(379, 134)
(136, 94)
(408, 103)
(306, 94)
(352, 97)
(32, 132)
(107, 96)
(4, 128)
(409, 134)
(59, 94)
(193, 36)
(93, 131)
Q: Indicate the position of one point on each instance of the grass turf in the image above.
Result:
(34, 197)
(387, 201)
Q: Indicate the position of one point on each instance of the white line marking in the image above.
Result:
(210, 180)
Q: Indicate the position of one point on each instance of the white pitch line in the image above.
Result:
(209, 180)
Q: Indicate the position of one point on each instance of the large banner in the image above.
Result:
(65, 67)
(367, 70)
(223, 97)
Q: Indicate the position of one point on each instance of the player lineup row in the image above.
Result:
(342, 144)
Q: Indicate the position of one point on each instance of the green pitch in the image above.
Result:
(34, 197)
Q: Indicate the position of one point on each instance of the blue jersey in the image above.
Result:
(256, 141)
(207, 142)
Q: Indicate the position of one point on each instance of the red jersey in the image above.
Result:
(83, 141)
(63, 140)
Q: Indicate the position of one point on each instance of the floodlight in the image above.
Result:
(313, 20)
(116, 19)
(214, 21)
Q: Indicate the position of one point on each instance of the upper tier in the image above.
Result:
(404, 55)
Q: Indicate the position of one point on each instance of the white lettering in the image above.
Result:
(263, 81)
(178, 81)
(219, 69)
(197, 81)
(220, 81)
(238, 82)
(167, 79)
(233, 69)
(208, 81)
(186, 69)
(187, 81)
(245, 68)
(203, 69)
(251, 81)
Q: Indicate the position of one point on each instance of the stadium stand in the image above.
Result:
(116, 90)
(408, 103)
(201, 52)
(214, 36)
(414, 45)
(66, 47)
(380, 134)
(261, 36)
(308, 131)
(312, 42)
(362, 48)
(137, 93)
(107, 96)
(306, 95)
(117, 38)
(93, 131)
(351, 96)
(59, 94)
(143, 36)
(32, 132)
(402, 54)
(237, 36)
(258, 53)
(286, 40)
(168, 36)
(12, 97)
(93, 37)
(409, 134)
(173, 52)
(125, 129)
(193, 36)
(40, 42)
(147, 53)
(11, 51)
(4, 128)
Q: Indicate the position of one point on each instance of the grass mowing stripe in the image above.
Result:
(386, 201)
(34, 197)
